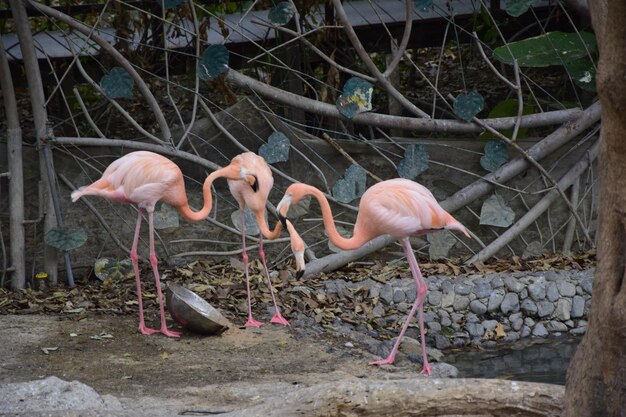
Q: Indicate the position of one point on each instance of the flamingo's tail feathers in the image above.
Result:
(454, 224)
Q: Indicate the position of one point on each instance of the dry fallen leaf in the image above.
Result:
(500, 331)
(165, 356)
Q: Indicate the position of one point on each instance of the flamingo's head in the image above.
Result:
(250, 178)
(297, 248)
(293, 195)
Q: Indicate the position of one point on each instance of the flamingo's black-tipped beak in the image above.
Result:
(282, 219)
(299, 274)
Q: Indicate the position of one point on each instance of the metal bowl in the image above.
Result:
(192, 312)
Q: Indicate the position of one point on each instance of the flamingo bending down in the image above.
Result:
(397, 207)
(255, 201)
(143, 178)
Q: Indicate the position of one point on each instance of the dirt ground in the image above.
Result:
(200, 373)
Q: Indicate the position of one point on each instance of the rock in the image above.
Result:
(443, 313)
(402, 307)
(556, 326)
(587, 284)
(566, 289)
(475, 329)
(490, 344)
(411, 293)
(457, 317)
(569, 323)
(461, 302)
(528, 307)
(434, 326)
(378, 310)
(525, 331)
(552, 292)
(537, 290)
(497, 282)
(578, 330)
(513, 284)
(523, 294)
(447, 286)
(443, 370)
(578, 307)
(495, 299)
(462, 289)
(434, 298)
(482, 290)
(478, 307)
(516, 321)
(563, 308)
(441, 342)
(398, 296)
(448, 299)
(490, 325)
(545, 308)
(386, 295)
(446, 322)
(540, 330)
(582, 323)
(54, 396)
(529, 322)
(429, 316)
(510, 304)
(511, 337)
(472, 318)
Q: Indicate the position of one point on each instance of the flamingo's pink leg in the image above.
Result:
(278, 318)
(157, 280)
(134, 257)
(251, 321)
(419, 303)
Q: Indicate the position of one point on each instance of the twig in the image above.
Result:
(488, 62)
(143, 87)
(571, 223)
(406, 35)
(339, 149)
(371, 66)
(541, 169)
(543, 204)
(81, 103)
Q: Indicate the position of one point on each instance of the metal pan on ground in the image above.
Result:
(193, 313)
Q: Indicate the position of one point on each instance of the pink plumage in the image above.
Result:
(143, 178)
(397, 207)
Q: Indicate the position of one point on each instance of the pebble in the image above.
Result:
(478, 307)
(434, 298)
(490, 325)
(495, 299)
(545, 308)
(578, 307)
(586, 284)
(399, 296)
(511, 337)
(434, 326)
(556, 326)
(529, 307)
(578, 330)
(429, 316)
(513, 284)
(566, 289)
(537, 291)
(525, 331)
(529, 322)
(482, 290)
(441, 342)
(563, 308)
(540, 330)
(497, 282)
(378, 310)
(386, 295)
(448, 299)
(462, 289)
(445, 321)
(510, 304)
(461, 302)
(552, 292)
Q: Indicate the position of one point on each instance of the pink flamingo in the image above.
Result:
(143, 178)
(397, 207)
(255, 201)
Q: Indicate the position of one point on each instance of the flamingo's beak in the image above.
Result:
(254, 182)
(300, 264)
(281, 210)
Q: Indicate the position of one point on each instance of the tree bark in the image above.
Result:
(596, 379)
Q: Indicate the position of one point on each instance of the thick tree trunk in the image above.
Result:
(596, 379)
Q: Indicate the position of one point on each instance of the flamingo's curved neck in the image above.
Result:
(354, 242)
(267, 233)
(228, 172)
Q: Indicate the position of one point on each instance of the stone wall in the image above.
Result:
(484, 309)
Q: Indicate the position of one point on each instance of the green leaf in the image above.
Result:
(117, 83)
(583, 73)
(282, 13)
(495, 212)
(66, 239)
(423, 5)
(507, 108)
(466, 106)
(517, 8)
(415, 162)
(112, 268)
(351, 185)
(213, 63)
(356, 97)
(495, 155)
(553, 48)
(276, 149)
